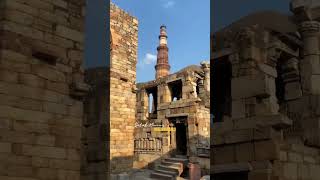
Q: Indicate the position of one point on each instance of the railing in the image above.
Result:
(203, 151)
(147, 145)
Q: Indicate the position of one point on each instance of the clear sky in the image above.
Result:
(188, 28)
(225, 12)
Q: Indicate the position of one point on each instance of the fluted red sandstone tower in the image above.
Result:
(162, 67)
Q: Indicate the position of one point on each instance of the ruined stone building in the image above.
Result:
(180, 101)
(54, 114)
(266, 102)
(41, 89)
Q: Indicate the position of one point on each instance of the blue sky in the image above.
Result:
(188, 28)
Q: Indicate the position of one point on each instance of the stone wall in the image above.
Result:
(95, 133)
(271, 129)
(41, 53)
(124, 34)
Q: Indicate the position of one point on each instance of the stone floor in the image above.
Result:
(144, 174)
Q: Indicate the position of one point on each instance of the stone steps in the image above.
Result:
(157, 175)
(166, 172)
(170, 168)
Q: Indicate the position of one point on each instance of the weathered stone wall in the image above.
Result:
(95, 133)
(41, 53)
(272, 129)
(124, 34)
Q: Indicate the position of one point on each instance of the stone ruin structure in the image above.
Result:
(132, 147)
(53, 114)
(41, 89)
(267, 96)
(178, 101)
(124, 46)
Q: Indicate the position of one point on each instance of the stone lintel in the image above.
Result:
(177, 115)
(277, 121)
(172, 80)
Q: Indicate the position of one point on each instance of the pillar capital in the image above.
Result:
(309, 27)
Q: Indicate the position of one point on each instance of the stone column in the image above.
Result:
(145, 105)
(164, 94)
(206, 68)
(310, 66)
(189, 87)
(173, 138)
(291, 78)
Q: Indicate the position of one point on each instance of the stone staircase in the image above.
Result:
(170, 168)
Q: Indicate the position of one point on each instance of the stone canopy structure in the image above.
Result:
(266, 107)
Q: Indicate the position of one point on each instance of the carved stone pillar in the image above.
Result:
(291, 79)
(206, 68)
(164, 94)
(145, 105)
(189, 89)
(310, 65)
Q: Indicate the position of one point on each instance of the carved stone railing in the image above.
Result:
(148, 145)
(203, 151)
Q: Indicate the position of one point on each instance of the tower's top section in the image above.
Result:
(163, 35)
(162, 67)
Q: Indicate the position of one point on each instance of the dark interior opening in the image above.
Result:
(181, 138)
(175, 90)
(222, 74)
(47, 58)
(231, 176)
(198, 87)
(153, 102)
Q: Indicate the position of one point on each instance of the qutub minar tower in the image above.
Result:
(162, 67)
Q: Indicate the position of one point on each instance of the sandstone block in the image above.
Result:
(19, 17)
(223, 155)
(55, 108)
(22, 30)
(46, 140)
(238, 109)
(40, 162)
(30, 127)
(290, 170)
(5, 147)
(15, 5)
(261, 86)
(43, 151)
(295, 157)
(64, 164)
(47, 173)
(31, 80)
(48, 73)
(293, 90)
(242, 135)
(245, 152)
(69, 33)
(20, 171)
(266, 150)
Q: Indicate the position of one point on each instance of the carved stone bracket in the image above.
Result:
(309, 28)
(79, 89)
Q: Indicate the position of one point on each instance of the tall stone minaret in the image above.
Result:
(162, 67)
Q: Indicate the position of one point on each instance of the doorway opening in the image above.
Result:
(181, 138)
(180, 135)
